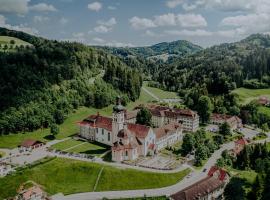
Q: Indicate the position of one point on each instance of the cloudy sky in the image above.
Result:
(138, 22)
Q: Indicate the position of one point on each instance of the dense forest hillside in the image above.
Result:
(221, 68)
(41, 84)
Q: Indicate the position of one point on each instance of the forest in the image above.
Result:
(41, 85)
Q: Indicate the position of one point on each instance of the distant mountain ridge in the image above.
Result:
(161, 51)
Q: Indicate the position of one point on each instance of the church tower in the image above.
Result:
(118, 119)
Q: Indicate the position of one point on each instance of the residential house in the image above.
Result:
(239, 146)
(264, 101)
(30, 144)
(32, 193)
(233, 121)
(209, 188)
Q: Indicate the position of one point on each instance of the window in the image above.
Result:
(109, 136)
(126, 153)
(102, 131)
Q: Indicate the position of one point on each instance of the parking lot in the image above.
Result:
(249, 133)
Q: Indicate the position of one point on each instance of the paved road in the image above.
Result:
(195, 177)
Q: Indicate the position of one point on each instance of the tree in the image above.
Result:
(204, 108)
(54, 129)
(144, 117)
(265, 127)
(257, 188)
(225, 129)
(234, 189)
(221, 162)
(219, 139)
(12, 42)
(188, 144)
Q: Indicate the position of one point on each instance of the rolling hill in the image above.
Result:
(41, 86)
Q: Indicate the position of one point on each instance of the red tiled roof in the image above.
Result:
(98, 121)
(141, 131)
(222, 172)
(167, 129)
(199, 189)
(241, 141)
(30, 142)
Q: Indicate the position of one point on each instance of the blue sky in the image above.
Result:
(138, 22)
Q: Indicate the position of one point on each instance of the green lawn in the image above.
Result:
(66, 144)
(265, 110)
(145, 198)
(247, 95)
(89, 148)
(162, 94)
(70, 176)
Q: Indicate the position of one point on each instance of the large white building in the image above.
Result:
(162, 115)
(128, 140)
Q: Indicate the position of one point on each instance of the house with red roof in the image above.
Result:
(233, 121)
(239, 145)
(211, 187)
(34, 192)
(30, 144)
(128, 140)
(264, 101)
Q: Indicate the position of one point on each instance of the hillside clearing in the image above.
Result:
(247, 95)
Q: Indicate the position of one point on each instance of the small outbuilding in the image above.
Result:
(30, 144)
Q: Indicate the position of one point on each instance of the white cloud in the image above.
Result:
(43, 7)
(165, 20)
(151, 34)
(63, 21)
(111, 22)
(170, 19)
(174, 3)
(105, 26)
(95, 6)
(98, 40)
(78, 35)
(102, 29)
(20, 27)
(118, 44)
(14, 6)
(191, 20)
(141, 23)
(40, 19)
(111, 7)
(198, 32)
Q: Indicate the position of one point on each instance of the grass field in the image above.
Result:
(2, 154)
(247, 95)
(70, 176)
(69, 126)
(74, 146)
(5, 40)
(265, 110)
(162, 94)
(268, 146)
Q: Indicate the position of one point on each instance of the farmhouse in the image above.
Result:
(211, 187)
(32, 193)
(239, 145)
(233, 121)
(30, 144)
(162, 115)
(128, 140)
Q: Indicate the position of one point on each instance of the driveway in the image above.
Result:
(249, 133)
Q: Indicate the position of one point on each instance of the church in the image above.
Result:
(128, 140)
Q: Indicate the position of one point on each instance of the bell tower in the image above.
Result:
(118, 119)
